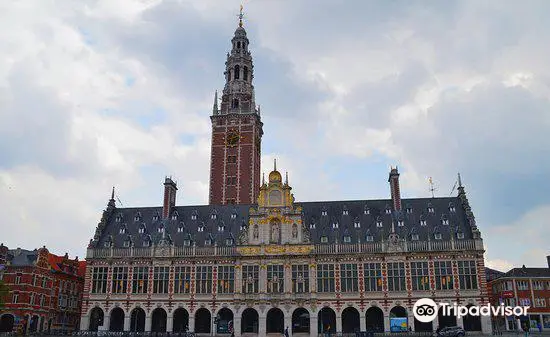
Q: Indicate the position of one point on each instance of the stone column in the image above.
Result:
(192, 322)
(410, 320)
(148, 321)
(127, 319)
(485, 325)
(313, 277)
(237, 325)
(169, 322)
(288, 322)
(338, 322)
(362, 321)
(288, 277)
(262, 282)
(313, 325)
(84, 323)
(238, 278)
(387, 323)
(106, 321)
(261, 325)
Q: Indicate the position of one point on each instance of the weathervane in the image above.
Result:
(241, 15)
(432, 188)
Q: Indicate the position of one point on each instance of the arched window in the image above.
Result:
(235, 103)
(245, 73)
(238, 45)
(237, 72)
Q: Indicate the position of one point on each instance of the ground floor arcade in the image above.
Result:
(265, 319)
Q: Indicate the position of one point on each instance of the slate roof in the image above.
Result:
(492, 274)
(22, 257)
(333, 219)
(527, 272)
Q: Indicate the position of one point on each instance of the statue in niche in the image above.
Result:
(294, 231)
(275, 230)
(255, 232)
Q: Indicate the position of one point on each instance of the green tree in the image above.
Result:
(3, 294)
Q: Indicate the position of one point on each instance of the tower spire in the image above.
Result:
(113, 194)
(274, 164)
(215, 106)
(286, 177)
(459, 180)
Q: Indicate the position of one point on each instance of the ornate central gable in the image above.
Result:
(276, 220)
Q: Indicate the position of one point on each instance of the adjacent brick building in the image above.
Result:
(524, 287)
(45, 290)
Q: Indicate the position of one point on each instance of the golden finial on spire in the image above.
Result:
(241, 16)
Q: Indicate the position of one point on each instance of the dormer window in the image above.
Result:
(414, 237)
(122, 230)
(187, 242)
(141, 229)
(107, 244)
(147, 243)
(422, 221)
(437, 236)
(200, 228)
(369, 238)
(137, 217)
(193, 217)
(312, 225)
(335, 225)
(452, 208)
(213, 216)
(345, 212)
(388, 210)
(400, 223)
(229, 242)
(243, 226)
(323, 213)
(126, 243)
(175, 216)
(379, 223)
(409, 210)
(367, 211)
(234, 216)
(431, 209)
(347, 238)
(155, 217)
(207, 242)
(357, 224)
(445, 221)
(181, 227)
(324, 239)
(118, 218)
(221, 228)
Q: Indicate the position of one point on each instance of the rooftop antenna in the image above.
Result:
(432, 188)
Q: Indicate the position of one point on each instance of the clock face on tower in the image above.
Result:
(232, 138)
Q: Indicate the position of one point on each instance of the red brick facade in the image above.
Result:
(235, 167)
(44, 291)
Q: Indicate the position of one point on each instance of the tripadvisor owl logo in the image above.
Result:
(425, 310)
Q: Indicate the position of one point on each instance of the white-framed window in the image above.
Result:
(431, 209)
(137, 217)
(324, 239)
(367, 211)
(118, 218)
(234, 216)
(175, 216)
(423, 222)
(522, 285)
(146, 243)
(126, 243)
(369, 238)
(15, 298)
(347, 238)
(221, 228)
(155, 217)
(345, 212)
(460, 235)
(409, 210)
(187, 242)
(229, 242)
(243, 227)
(312, 225)
(160, 229)
(540, 302)
(213, 216)
(414, 237)
(437, 236)
(357, 224)
(445, 221)
(141, 230)
(323, 213)
(400, 223)
(122, 230)
(107, 244)
(207, 242)
(538, 285)
(452, 208)
(200, 228)
(335, 225)
(388, 210)
(180, 229)
(18, 279)
(379, 223)
(193, 217)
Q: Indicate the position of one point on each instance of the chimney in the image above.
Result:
(394, 188)
(170, 189)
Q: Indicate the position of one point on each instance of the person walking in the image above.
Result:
(286, 332)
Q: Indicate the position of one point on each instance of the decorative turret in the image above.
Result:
(107, 213)
(467, 209)
(394, 189)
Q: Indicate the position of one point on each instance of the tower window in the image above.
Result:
(237, 72)
(238, 45)
(245, 73)
(235, 103)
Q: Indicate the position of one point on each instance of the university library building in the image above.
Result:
(254, 261)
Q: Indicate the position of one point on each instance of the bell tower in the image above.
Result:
(236, 130)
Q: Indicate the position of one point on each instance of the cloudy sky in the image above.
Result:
(118, 92)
